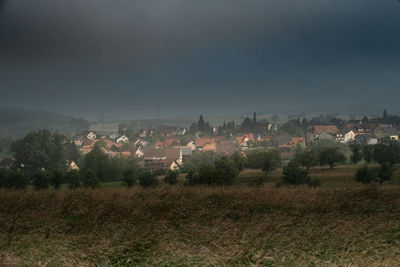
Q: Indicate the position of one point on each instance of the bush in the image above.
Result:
(130, 177)
(147, 178)
(41, 179)
(3, 177)
(223, 172)
(366, 175)
(90, 179)
(171, 177)
(56, 177)
(73, 179)
(16, 179)
(385, 172)
(294, 174)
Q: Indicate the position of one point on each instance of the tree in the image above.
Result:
(238, 160)
(43, 150)
(331, 156)
(201, 124)
(56, 177)
(385, 114)
(387, 153)
(222, 172)
(130, 177)
(357, 155)
(307, 159)
(266, 160)
(147, 179)
(171, 177)
(3, 177)
(294, 174)
(16, 179)
(90, 179)
(366, 175)
(368, 153)
(198, 159)
(73, 179)
(385, 172)
(41, 179)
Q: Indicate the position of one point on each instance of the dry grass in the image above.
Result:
(181, 226)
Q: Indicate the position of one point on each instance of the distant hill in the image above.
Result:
(18, 122)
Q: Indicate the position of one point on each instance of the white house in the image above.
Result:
(122, 139)
(91, 136)
(348, 136)
(113, 136)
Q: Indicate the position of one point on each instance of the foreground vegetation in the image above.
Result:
(188, 226)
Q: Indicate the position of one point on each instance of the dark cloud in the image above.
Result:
(74, 56)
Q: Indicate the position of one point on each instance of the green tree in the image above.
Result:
(238, 160)
(331, 156)
(16, 179)
(73, 179)
(307, 159)
(56, 177)
(130, 177)
(3, 177)
(147, 179)
(171, 177)
(368, 153)
(89, 179)
(356, 153)
(41, 179)
(366, 175)
(385, 172)
(294, 174)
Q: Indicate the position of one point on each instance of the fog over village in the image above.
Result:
(199, 133)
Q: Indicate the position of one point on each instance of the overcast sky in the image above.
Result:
(182, 57)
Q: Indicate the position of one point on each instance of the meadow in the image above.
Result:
(341, 223)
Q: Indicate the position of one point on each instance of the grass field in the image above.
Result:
(340, 224)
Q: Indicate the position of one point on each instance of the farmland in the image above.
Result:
(340, 223)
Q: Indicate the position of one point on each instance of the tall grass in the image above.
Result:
(201, 226)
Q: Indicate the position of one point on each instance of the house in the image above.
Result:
(289, 142)
(167, 131)
(366, 139)
(145, 132)
(327, 131)
(384, 131)
(162, 158)
(244, 139)
(73, 166)
(122, 139)
(91, 136)
(226, 148)
(113, 136)
(136, 152)
(346, 136)
(167, 143)
(201, 142)
(78, 141)
(186, 152)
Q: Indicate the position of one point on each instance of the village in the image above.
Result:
(169, 147)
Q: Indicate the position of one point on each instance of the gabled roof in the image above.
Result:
(332, 129)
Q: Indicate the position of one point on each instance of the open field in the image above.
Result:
(340, 224)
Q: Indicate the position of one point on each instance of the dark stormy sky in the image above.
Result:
(150, 58)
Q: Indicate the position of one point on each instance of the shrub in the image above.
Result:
(385, 172)
(294, 174)
(16, 179)
(41, 179)
(130, 177)
(56, 177)
(90, 179)
(3, 177)
(366, 175)
(73, 179)
(171, 177)
(147, 178)
(223, 172)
